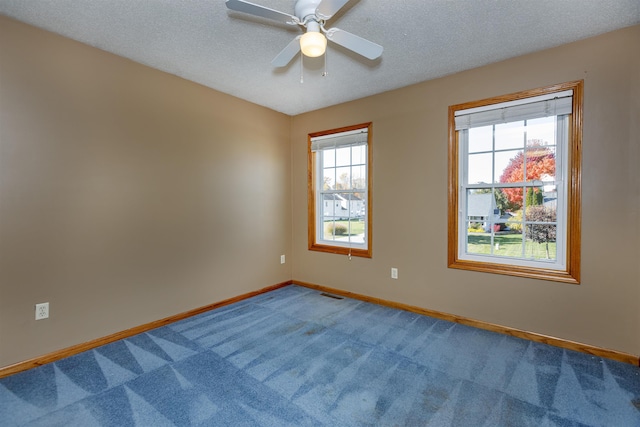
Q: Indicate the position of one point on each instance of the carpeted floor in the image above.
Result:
(293, 357)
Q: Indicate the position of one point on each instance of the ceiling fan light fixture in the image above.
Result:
(313, 44)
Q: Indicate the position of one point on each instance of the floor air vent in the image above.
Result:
(330, 296)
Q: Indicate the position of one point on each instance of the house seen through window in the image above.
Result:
(339, 190)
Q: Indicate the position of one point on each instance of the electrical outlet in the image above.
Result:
(281, 259)
(42, 311)
(394, 273)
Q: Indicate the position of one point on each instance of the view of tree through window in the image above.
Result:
(512, 168)
(514, 184)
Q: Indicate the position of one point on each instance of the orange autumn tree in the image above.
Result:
(540, 161)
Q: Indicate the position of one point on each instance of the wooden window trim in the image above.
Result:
(572, 272)
(311, 196)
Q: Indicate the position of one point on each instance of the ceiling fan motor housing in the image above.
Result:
(305, 10)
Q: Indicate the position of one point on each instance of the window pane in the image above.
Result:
(533, 199)
(508, 244)
(542, 213)
(541, 242)
(542, 131)
(479, 168)
(331, 207)
(343, 156)
(359, 154)
(481, 139)
(329, 179)
(359, 177)
(509, 201)
(540, 161)
(478, 242)
(348, 205)
(331, 230)
(550, 187)
(329, 158)
(510, 135)
(343, 177)
(361, 205)
(346, 231)
(356, 230)
(480, 209)
(501, 202)
(498, 243)
(509, 166)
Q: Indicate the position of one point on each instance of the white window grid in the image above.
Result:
(561, 179)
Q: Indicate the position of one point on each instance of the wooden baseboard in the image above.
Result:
(79, 348)
(558, 342)
(532, 336)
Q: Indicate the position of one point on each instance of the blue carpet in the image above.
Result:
(293, 357)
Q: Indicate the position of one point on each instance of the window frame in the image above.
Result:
(313, 174)
(571, 271)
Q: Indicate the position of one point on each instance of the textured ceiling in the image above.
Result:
(203, 41)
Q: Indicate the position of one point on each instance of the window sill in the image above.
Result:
(564, 276)
(364, 253)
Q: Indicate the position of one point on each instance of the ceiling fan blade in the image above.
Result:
(261, 11)
(327, 8)
(287, 54)
(355, 43)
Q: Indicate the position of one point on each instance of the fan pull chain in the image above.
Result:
(326, 73)
(301, 68)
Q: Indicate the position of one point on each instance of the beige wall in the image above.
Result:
(127, 194)
(410, 176)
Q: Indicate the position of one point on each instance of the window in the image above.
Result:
(514, 184)
(339, 190)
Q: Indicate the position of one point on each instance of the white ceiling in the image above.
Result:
(203, 41)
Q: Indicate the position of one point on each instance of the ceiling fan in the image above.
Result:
(311, 15)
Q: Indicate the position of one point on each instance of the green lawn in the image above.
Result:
(357, 227)
(509, 245)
